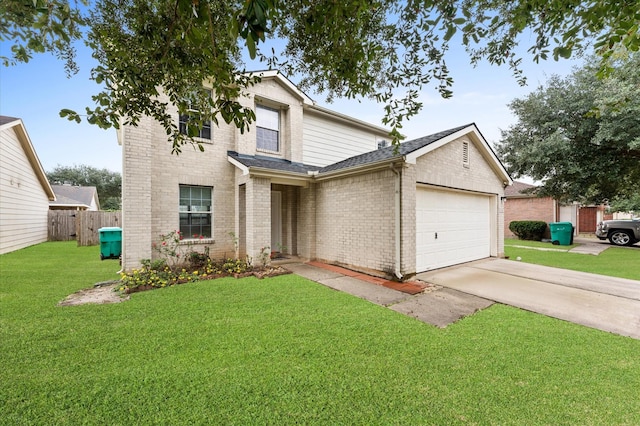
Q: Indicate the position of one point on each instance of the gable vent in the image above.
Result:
(465, 154)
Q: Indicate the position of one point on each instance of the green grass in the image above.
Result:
(286, 350)
(511, 242)
(614, 261)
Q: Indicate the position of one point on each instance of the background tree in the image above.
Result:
(631, 204)
(580, 135)
(107, 183)
(388, 50)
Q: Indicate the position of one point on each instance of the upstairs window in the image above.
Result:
(382, 144)
(268, 129)
(195, 211)
(189, 126)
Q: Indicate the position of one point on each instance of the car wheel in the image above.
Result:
(620, 238)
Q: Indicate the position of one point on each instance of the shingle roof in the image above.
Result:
(389, 152)
(4, 119)
(519, 189)
(72, 195)
(271, 163)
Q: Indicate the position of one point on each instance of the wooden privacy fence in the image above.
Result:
(82, 226)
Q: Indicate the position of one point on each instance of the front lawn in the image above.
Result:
(614, 261)
(286, 350)
(512, 242)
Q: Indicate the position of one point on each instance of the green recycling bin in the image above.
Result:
(561, 233)
(110, 242)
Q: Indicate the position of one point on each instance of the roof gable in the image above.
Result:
(82, 196)
(17, 125)
(472, 132)
(285, 83)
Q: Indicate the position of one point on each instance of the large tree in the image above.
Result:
(388, 50)
(580, 135)
(108, 184)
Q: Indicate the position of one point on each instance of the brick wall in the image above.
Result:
(152, 176)
(137, 152)
(355, 220)
(530, 208)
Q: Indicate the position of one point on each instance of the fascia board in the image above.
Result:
(281, 177)
(244, 169)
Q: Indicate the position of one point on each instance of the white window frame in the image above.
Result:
(264, 126)
(183, 120)
(192, 207)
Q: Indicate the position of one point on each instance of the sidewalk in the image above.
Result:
(589, 246)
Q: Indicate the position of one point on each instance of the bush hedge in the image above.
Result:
(528, 229)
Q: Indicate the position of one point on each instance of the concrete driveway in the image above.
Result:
(605, 303)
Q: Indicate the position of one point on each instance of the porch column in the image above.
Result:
(258, 217)
(306, 234)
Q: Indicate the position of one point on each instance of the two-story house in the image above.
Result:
(317, 184)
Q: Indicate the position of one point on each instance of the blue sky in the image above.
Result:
(38, 90)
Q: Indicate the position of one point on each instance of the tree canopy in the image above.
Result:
(388, 50)
(108, 184)
(580, 135)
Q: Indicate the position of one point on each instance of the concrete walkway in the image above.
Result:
(434, 305)
(605, 303)
(589, 246)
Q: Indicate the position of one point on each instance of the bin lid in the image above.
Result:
(110, 228)
(561, 223)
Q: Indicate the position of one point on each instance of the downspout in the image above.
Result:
(398, 240)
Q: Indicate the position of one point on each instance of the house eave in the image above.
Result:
(286, 83)
(281, 177)
(244, 169)
(68, 206)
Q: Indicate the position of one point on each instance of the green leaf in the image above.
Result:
(251, 45)
(451, 30)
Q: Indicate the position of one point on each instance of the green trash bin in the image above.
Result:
(110, 242)
(561, 233)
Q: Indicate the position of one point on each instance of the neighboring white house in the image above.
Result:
(70, 197)
(24, 190)
(317, 184)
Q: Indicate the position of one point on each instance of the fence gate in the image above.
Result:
(62, 225)
(82, 226)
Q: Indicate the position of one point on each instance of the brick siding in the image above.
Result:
(530, 208)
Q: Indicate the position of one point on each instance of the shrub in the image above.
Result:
(157, 274)
(528, 229)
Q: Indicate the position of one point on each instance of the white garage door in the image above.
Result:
(451, 228)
